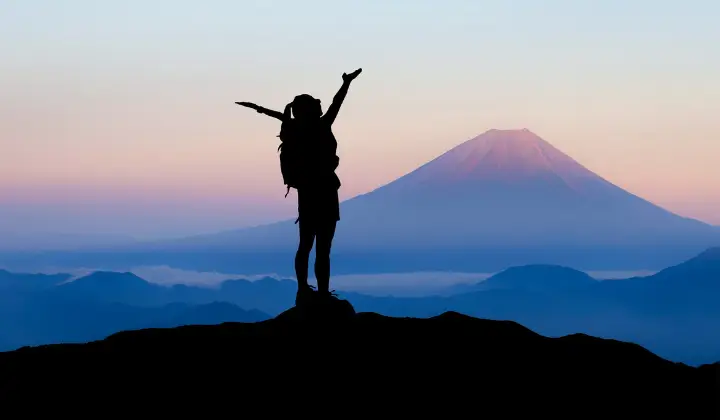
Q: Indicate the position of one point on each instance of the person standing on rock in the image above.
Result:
(308, 162)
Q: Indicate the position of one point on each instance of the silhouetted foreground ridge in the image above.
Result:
(364, 364)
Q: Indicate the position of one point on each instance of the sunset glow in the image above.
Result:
(121, 117)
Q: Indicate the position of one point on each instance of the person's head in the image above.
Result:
(306, 107)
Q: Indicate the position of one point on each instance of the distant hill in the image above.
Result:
(47, 321)
(673, 312)
(207, 314)
(700, 271)
(21, 281)
(39, 309)
(692, 286)
(450, 364)
(113, 287)
(539, 278)
(269, 294)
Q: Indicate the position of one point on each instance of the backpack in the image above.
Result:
(293, 154)
(290, 155)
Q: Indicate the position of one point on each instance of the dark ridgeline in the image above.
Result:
(365, 364)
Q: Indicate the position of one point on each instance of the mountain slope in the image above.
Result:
(504, 198)
(691, 287)
(45, 319)
(112, 287)
(207, 314)
(126, 288)
(540, 278)
(27, 282)
(509, 188)
(406, 365)
(508, 193)
(701, 271)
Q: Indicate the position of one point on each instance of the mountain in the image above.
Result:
(112, 287)
(45, 319)
(22, 281)
(702, 271)
(450, 364)
(537, 277)
(692, 286)
(511, 188)
(503, 198)
(674, 312)
(207, 314)
(42, 309)
(126, 288)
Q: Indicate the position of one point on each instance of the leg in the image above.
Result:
(324, 234)
(302, 257)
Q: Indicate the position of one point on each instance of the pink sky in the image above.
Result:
(115, 121)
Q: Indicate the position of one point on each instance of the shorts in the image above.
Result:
(318, 204)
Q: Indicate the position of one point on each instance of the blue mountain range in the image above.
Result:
(673, 312)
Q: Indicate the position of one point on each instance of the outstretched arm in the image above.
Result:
(275, 114)
(339, 97)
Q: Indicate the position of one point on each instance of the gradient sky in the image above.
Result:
(118, 117)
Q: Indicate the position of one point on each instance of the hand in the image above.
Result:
(350, 77)
(249, 105)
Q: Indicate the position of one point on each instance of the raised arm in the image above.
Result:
(275, 114)
(339, 97)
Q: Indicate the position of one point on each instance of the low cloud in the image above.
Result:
(169, 276)
(397, 284)
(407, 284)
(619, 275)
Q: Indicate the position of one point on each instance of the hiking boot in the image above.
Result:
(305, 295)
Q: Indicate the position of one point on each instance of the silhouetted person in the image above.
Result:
(317, 183)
